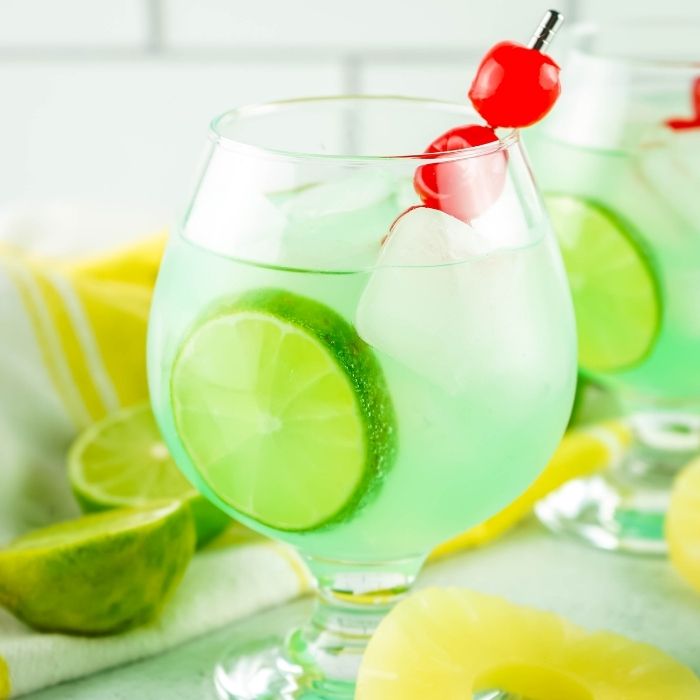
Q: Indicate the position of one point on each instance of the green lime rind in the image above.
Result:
(348, 427)
(614, 282)
(122, 461)
(99, 574)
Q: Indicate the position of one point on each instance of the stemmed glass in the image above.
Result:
(619, 162)
(349, 372)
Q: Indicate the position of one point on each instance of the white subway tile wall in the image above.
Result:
(605, 10)
(381, 25)
(445, 80)
(126, 130)
(110, 99)
(73, 23)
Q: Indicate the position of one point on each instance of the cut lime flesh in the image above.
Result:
(283, 410)
(122, 461)
(101, 573)
(614, 284)
(92, 527)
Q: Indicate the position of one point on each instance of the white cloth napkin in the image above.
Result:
(221, 585)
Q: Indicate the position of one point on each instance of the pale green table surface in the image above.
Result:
(639, 597)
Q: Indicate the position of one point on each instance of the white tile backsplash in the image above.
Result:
(73, 23)
(109, 99)
(126, 131)
(438, 80)
(360, 24)
(603, 10)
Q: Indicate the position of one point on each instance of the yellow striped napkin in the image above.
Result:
(89, 318)
(73, 350)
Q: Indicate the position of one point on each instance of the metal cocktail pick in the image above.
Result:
(546, 30)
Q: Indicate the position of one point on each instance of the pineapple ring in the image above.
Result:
(683, 524)
(449, 643)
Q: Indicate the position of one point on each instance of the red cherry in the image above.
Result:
(466, 187)
(462, 137)
(681, 123)
(514, 86)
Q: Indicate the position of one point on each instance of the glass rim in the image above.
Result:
(587, 29)
(510, 137)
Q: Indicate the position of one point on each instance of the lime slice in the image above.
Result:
(614, 285)
(98, 574)
(283, 410)
(123, 461)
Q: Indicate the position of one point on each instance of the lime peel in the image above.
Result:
(101, 573)
(614, 283)
(283, 410)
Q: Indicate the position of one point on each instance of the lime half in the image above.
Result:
(283, 409)
(615, 288)
(98, 574)
(122, 461)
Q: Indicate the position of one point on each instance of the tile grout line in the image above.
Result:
(351, 74)
(350, 84)
(154, 20)
(348, 60)
(572, 11)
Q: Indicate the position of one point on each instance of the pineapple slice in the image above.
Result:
(683, 524)
(450, 643)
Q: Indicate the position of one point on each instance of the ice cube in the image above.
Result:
(671, 169)
(506, 224)
(443, 307)
(616, 116)
(358, 191)
(340, 224)
(232, 214)
(424, 236)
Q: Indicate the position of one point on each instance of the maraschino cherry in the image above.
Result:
(515, 85)
(465, 187)
(683, 123)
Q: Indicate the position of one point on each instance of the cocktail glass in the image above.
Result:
(619, 162)
(358, 393)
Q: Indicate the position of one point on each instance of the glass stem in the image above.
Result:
(351, 601)
(664, 442)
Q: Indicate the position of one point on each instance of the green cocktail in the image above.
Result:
(397, 436)
(619, 170)
(359, 389)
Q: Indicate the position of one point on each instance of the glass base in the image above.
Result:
(320, 660)
(625, 508)
(264, 671)
(601, 511)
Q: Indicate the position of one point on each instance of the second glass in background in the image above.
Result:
(619, 164)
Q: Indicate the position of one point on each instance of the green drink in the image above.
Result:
(344, 370)
(621, 186)
(430, 430)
